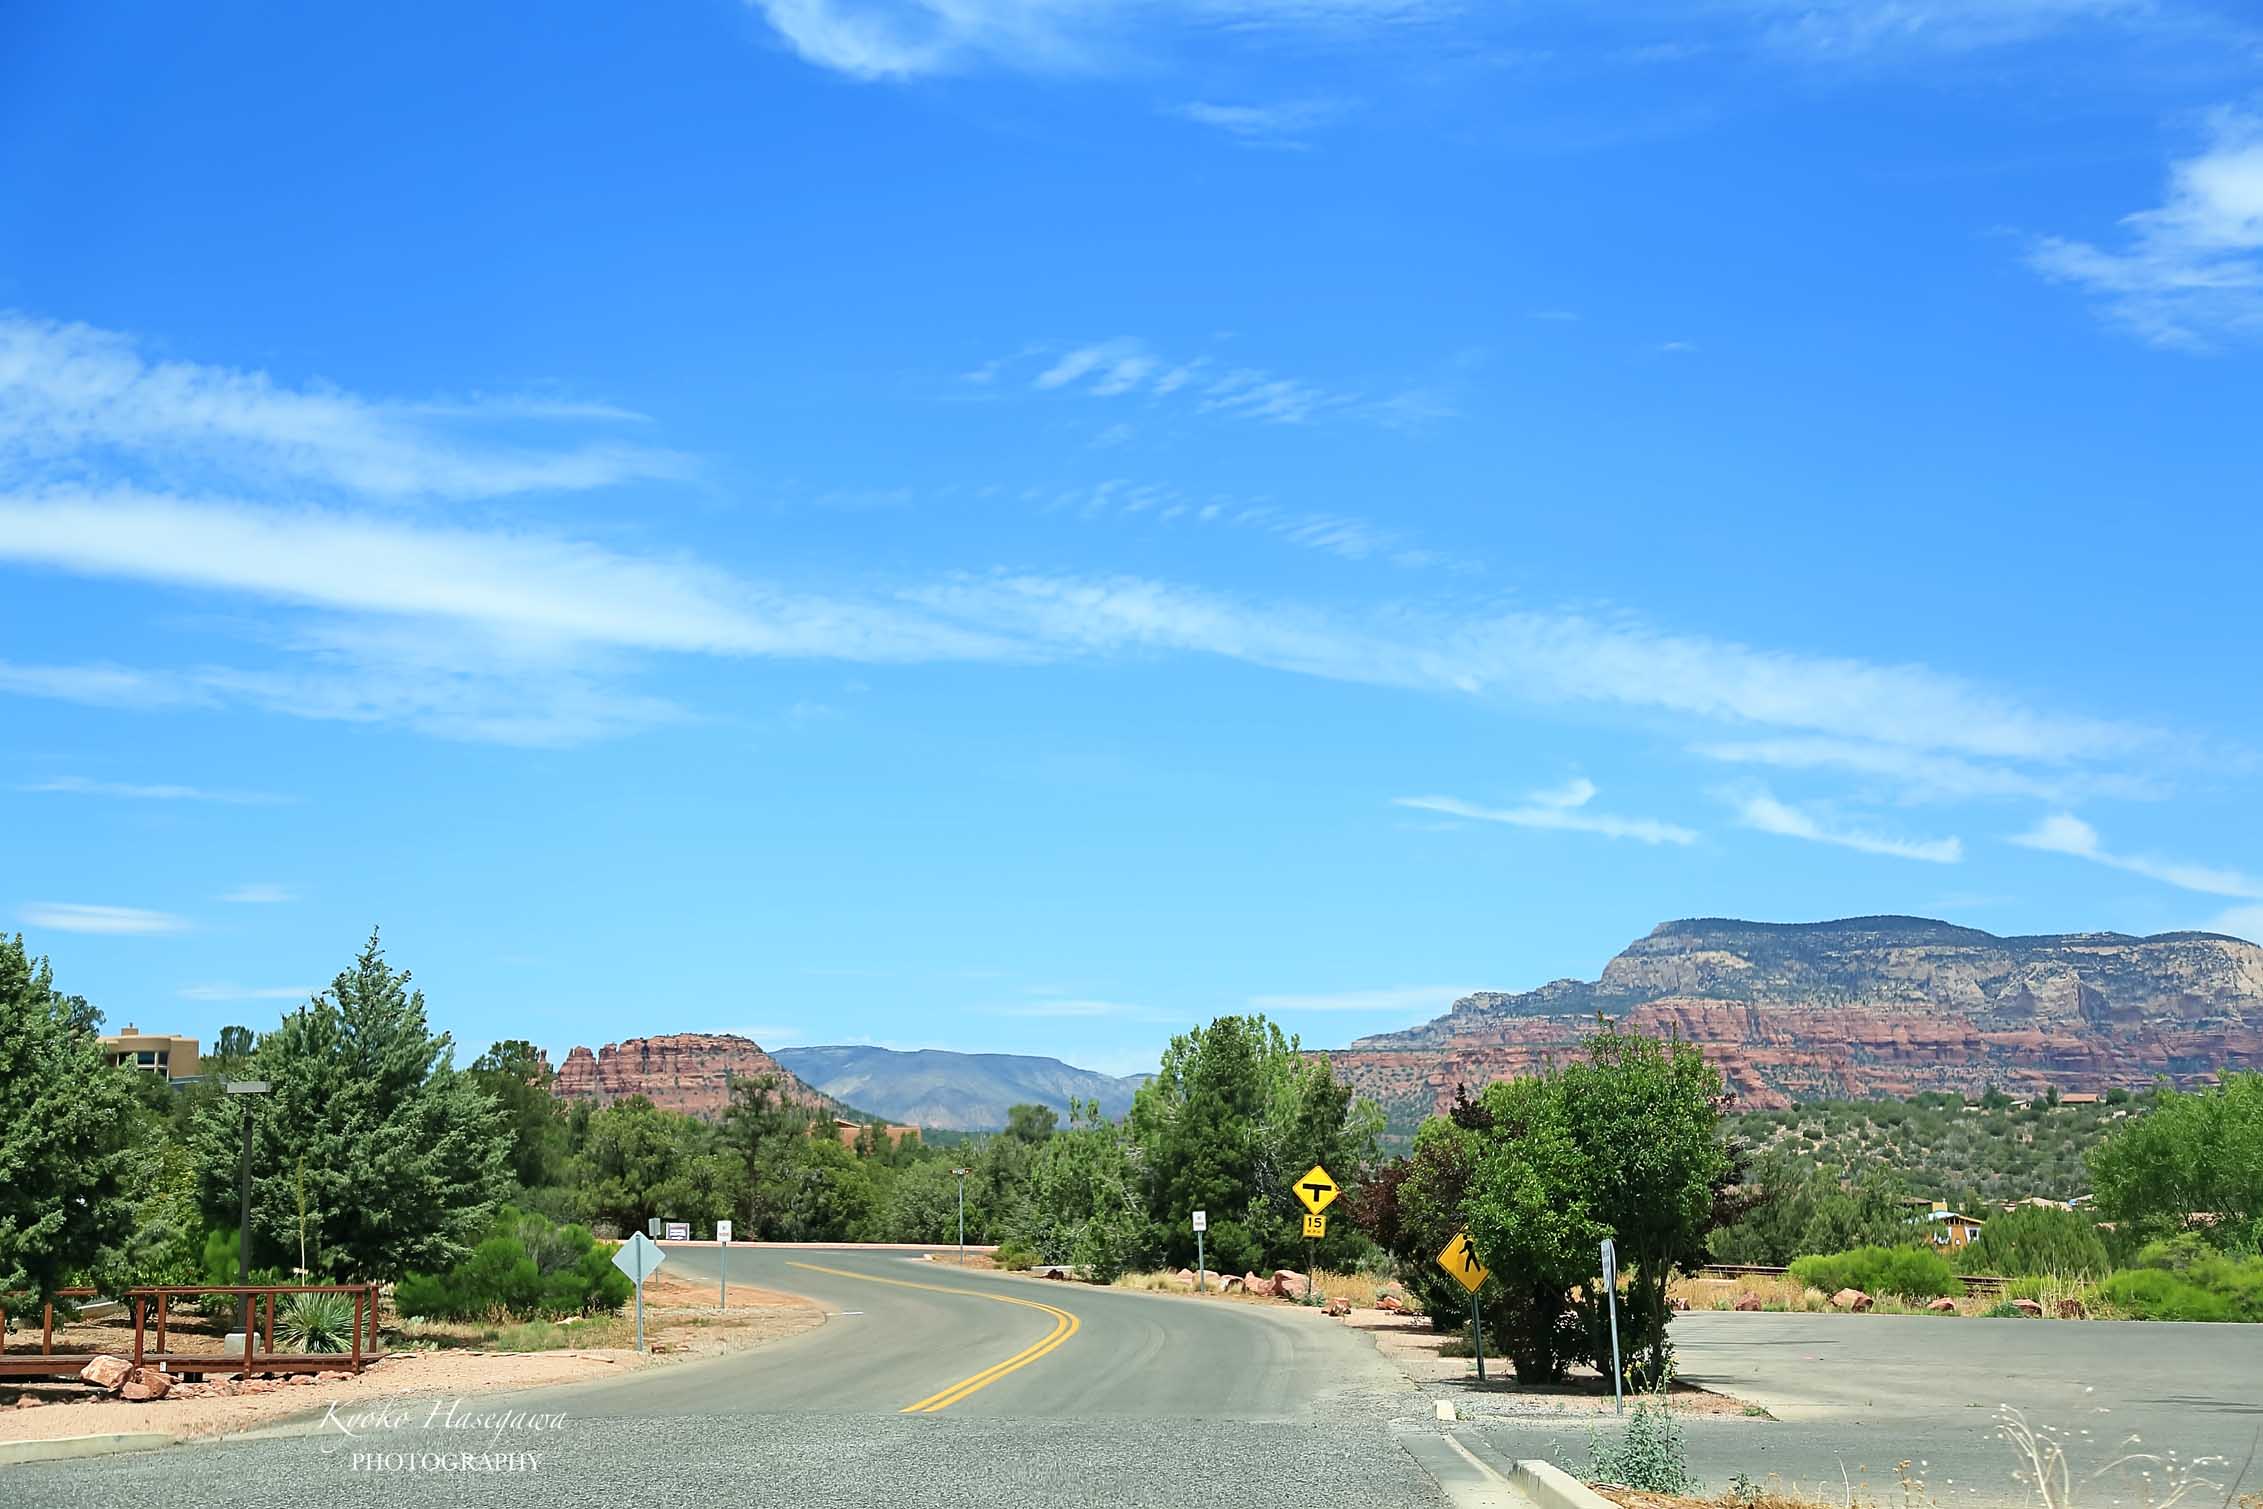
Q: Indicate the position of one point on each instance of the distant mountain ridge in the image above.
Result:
(1858, 1007)
(968, 1092)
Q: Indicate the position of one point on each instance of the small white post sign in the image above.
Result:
(723, 1264)
(640, 1257)
(1201, 1267)
(679, 1231)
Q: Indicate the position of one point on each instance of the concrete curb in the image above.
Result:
(63, 1448)
(1550, 1487)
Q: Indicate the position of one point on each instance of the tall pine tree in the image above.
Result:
(405, 1157)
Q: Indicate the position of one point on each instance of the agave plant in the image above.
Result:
(316, 1322)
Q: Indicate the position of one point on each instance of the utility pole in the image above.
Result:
(962, 1173)
(246, 1088)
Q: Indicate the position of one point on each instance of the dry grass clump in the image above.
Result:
(1776, 1292)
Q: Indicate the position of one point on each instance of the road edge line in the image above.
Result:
(65, 1448)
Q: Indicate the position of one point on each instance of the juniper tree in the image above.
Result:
(64, 1119)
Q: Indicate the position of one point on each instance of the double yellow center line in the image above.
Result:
(1064, 1326)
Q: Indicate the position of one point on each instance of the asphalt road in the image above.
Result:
(1024, 1393)
(1854, 1395)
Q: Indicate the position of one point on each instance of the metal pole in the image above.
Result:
(962, 1220)
(640, 1314)
(243, 1230)
(1618, 1373)
(723, 1266)
(1477, 1332)
(1201, 1274)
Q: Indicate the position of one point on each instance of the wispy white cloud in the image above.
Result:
(1765, 813)
(99, 685)
(72, 390)
(903, 39)
(1387, 1000)
(1127, 367)
(1283, 124)
(222, 991)
(1563, 808)
(426, 622)
(1866, 29)
(72, 785)
(119, 921)
(2190, 272)
(1920, 776)
(2064, 833)
(259, 893)
(533, 587)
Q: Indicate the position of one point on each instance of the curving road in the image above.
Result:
(927, 1387)
(903, 1335)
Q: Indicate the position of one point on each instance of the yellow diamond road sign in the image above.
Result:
(1317, 1190)
(1460, 1260)
(1316, 1227)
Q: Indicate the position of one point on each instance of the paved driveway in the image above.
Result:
(1859, 1393)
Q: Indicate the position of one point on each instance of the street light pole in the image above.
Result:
(246, 1088)
(962, 1214)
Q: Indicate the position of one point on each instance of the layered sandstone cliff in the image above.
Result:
(1869, 1006)
(688, 1072)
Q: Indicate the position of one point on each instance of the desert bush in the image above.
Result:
(526, 1267)
(1647, 1455)
(2212, 1288)
(1909, 1272)
(2035, 1239)
(2003, 1310)
(1013, 1254)
(316, 1322)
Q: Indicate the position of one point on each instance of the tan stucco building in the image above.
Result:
(153, 1053)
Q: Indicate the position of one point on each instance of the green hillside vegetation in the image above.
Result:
(1938, 1147)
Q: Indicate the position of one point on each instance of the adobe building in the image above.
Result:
(153, 1053)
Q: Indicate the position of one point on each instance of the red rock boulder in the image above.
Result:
(1943, 1306)
(106, 1372)
(1851, 1299)
(144, 1384)
(1749, 1303)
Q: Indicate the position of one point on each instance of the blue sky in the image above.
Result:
(1022, 524)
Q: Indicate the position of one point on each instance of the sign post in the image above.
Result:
(1201, 1273)
(1318, 1190)
(1611, 1292)
(640, 1257)
(962, 1173)
(723, 1263)
(1461, 1264)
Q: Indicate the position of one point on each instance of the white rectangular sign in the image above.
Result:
(1610, 1264)
(1202, 1220)
(723, 1233)
(679, 1231)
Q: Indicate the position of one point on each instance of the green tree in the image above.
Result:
(65, 1119)
(1031, 1124)
(1645, 1115)
(232, 1045)
(1233, 1116)
(1084, 1206)
(2192, 1154)
(2038, 1239)
(405, 1157)
(517, 1076)
(628, 1150)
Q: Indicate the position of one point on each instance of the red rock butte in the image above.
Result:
(1865, 1007)
(687, 1072)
